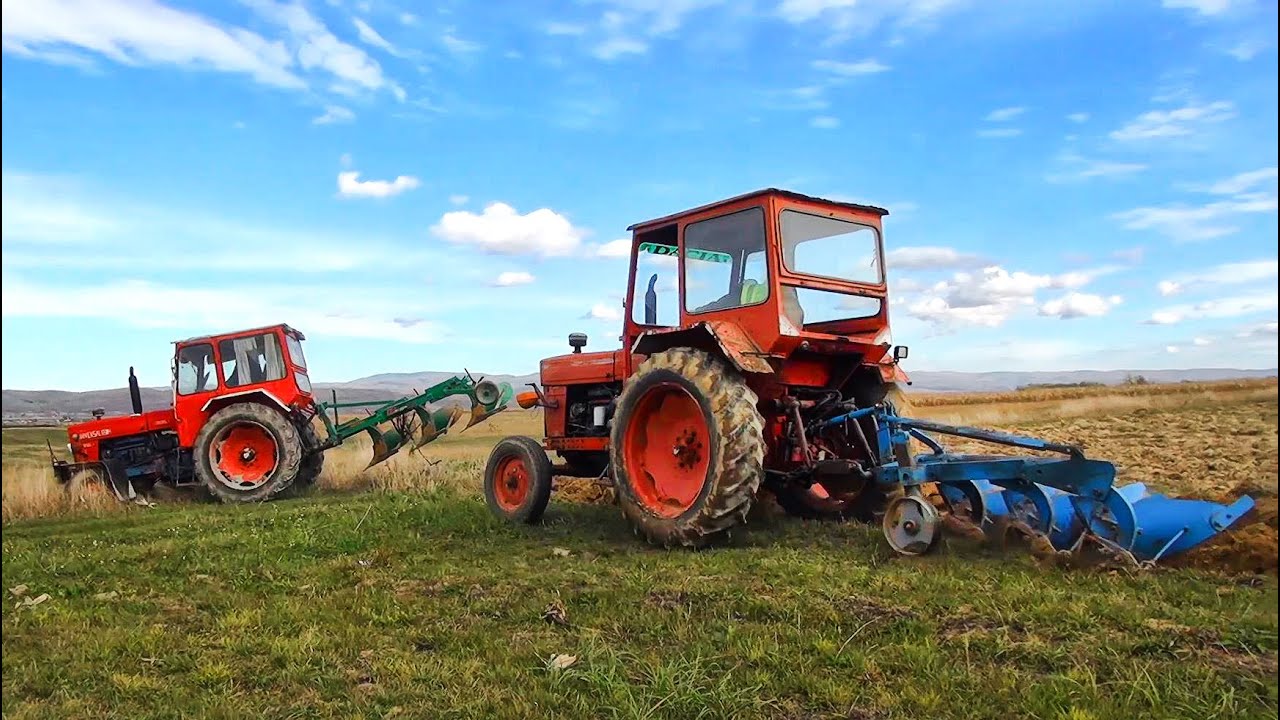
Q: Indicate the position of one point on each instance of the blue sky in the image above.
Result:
(438, 185)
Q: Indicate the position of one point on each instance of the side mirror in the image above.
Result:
(899, 353)
(577, 341)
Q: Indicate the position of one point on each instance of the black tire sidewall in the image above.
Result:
(631, 398)
(289, 451)
(536, 464)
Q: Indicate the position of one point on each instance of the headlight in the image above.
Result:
(304, 382)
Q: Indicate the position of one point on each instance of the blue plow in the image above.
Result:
(1071, 501)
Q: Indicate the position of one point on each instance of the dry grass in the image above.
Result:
(1198, 438)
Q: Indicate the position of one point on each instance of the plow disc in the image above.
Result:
(1065, 506)
(393, 424)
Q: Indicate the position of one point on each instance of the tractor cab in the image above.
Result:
(785, 266)
(266, 362)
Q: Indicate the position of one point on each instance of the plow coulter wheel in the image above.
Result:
(687, 448)
(248, 452)
(517, 480)
(912, 525)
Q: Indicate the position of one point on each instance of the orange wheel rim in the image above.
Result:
(511, 483)
(245, 455)
(667, 450)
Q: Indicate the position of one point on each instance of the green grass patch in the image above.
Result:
(422, 605)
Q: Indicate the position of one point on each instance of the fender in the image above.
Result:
(244, 395)
(722, 336)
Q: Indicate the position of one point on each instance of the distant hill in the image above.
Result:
(51, 405)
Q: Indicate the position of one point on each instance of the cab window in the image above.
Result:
(724, 265)
(195, 370)
(251, 360)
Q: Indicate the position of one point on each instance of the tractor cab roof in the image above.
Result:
(250, 331)
(758, 193)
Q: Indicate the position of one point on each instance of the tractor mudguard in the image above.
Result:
(719, 336)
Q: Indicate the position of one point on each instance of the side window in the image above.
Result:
(250, 360)
(655, 298)
(195, 369)
(724, 262)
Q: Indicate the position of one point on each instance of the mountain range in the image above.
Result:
(30, 406)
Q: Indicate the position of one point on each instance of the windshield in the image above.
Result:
(827, 247)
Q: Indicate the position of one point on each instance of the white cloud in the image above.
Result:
(148, 304)
(334, 114)
(1074, 167)
(619, 248)
(1002, 132)
(616, 47)
(1261, 330)
(513, 278)
(408, 18)
(458, 199)
(869, 66)
(350, 185)
(1184, 121)
(457, 45)
(1079, 278)
(141, 32)
(374, 38)
(1226, 307)
(1235, 273)
(601, 311)
(1172, 349)
(930, 258)
(564, 28)
(1242, 182)
(1201, 342)
(316, 48)
(1185, 223)
(1078, 305)
(500, 229)
(825, 122)
(1005, 114)
(1201, 7)
(844, 18)
(1078, 117)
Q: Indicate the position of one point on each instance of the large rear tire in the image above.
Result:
(687, 448)
(312, 461)
(248, 452)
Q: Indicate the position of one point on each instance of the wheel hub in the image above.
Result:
(912, 525)
(687, 450)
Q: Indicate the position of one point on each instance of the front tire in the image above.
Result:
(248, 452)
(687, 448)
(517, 480)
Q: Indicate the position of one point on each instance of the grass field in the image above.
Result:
(410, 601)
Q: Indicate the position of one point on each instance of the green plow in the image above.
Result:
(393, 424)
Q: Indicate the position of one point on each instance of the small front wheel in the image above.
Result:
(517, 480)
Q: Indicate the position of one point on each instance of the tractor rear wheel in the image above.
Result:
(248, 452)
(312, 460)
(687, 448)
(517, 480)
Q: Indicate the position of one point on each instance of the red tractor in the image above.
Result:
(756, 354)
(744, 318)
(241, 424)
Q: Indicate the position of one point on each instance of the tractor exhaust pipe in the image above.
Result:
(135, 394)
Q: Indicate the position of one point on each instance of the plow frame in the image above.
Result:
(487, 399)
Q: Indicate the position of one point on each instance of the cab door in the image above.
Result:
(196, 379)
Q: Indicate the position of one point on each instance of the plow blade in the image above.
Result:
(490, 400)
(1153, 526)
(435, 424)
(1150, 526)
(385, 444)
